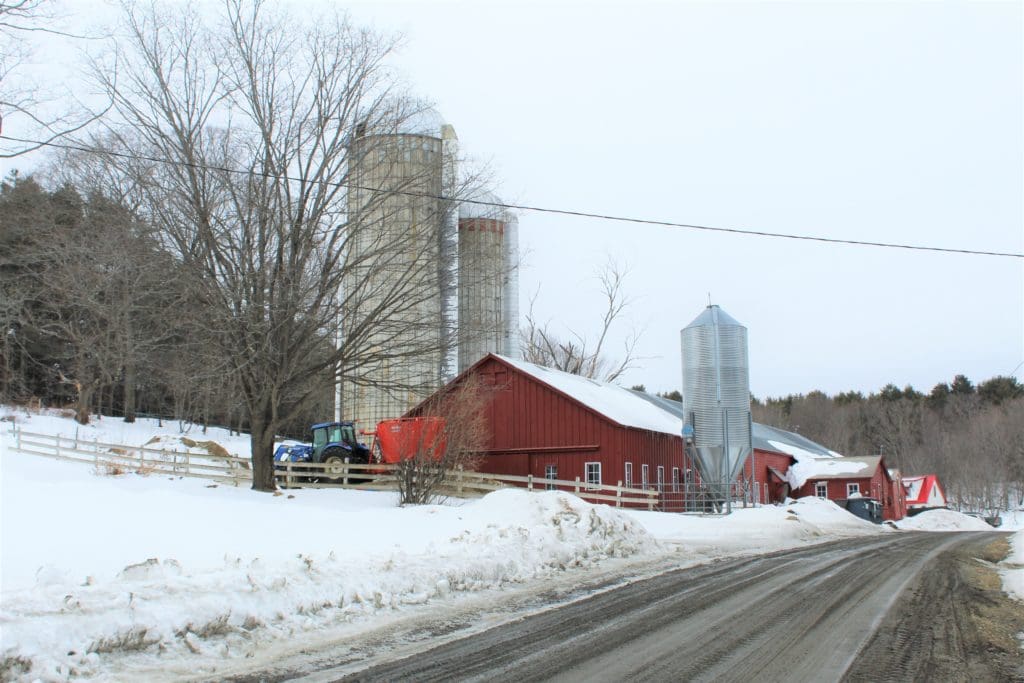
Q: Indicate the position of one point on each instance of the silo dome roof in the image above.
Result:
(426, 121)
(711, 315)
(470, 209)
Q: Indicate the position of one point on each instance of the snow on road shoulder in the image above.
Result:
(1013, 567)
(943, 520)
(95, 566)
(762, 529)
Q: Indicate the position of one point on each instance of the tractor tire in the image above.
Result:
(335, 471)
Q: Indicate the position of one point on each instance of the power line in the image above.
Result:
(538, 209)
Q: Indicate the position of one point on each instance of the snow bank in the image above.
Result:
(115, 430)
(943, 520)
(97, 566)
(1013, 520)
(1013, 567)
(774, 527)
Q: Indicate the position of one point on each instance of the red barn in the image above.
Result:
(553, 424)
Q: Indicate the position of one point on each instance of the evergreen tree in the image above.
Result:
(938, 396)
(962, 386)
(1000, 389)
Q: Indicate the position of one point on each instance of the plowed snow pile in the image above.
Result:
(943, 520)
(98, 566)
(771, 527)
(104, 577)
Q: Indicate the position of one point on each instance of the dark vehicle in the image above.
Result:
(334, 444)
(993, 520)
(865, 508)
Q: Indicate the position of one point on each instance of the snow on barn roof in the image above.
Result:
(614, 402)
(806, 469)
(632, 408)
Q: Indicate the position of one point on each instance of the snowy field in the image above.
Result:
(182, 575)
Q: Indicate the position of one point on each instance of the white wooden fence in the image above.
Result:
(458, 483)
(119, 458)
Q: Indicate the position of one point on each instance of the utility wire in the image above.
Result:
(535, 209)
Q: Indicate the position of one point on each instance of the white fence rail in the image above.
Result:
(458, 483)
(119, 458)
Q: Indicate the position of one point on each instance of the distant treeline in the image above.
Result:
(971, 436)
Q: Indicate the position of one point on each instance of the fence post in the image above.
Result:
(17, 436)
(56, 448)
(458, 481)
(650, 500)
(529, 482)
(618, 494)
(188, 463)
(577, 486)
(142, 458)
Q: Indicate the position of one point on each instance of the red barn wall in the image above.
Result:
(770, 489)
(533, 426)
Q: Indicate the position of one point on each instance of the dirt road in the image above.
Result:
(798, 616)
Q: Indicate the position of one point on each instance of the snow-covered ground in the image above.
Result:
(159, 569)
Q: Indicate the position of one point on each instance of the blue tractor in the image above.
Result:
(334, 444)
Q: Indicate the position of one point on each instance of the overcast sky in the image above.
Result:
(864, 121)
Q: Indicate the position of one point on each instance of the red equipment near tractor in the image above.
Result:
(406, 437)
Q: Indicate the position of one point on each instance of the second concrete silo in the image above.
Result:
(488, 285)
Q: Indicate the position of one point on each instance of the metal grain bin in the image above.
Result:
(716, 396)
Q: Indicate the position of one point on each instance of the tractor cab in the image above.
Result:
(337, 439)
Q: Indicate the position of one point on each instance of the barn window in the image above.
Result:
(550, 472)
(821, 489)
(645, 477)
(675, 480)
(593, 472)
(661, 478)
(629, 475)
(852, 489)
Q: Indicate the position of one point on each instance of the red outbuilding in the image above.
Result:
(843, 478)
(924, 493)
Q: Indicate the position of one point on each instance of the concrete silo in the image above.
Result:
(399, 287)
(488, 283)
(716, 400)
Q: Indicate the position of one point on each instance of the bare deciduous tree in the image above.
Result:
(577, 354)
(24, 103)
(440, 455)
(253, 125)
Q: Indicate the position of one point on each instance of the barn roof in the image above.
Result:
(645, 411)
(624, 406)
